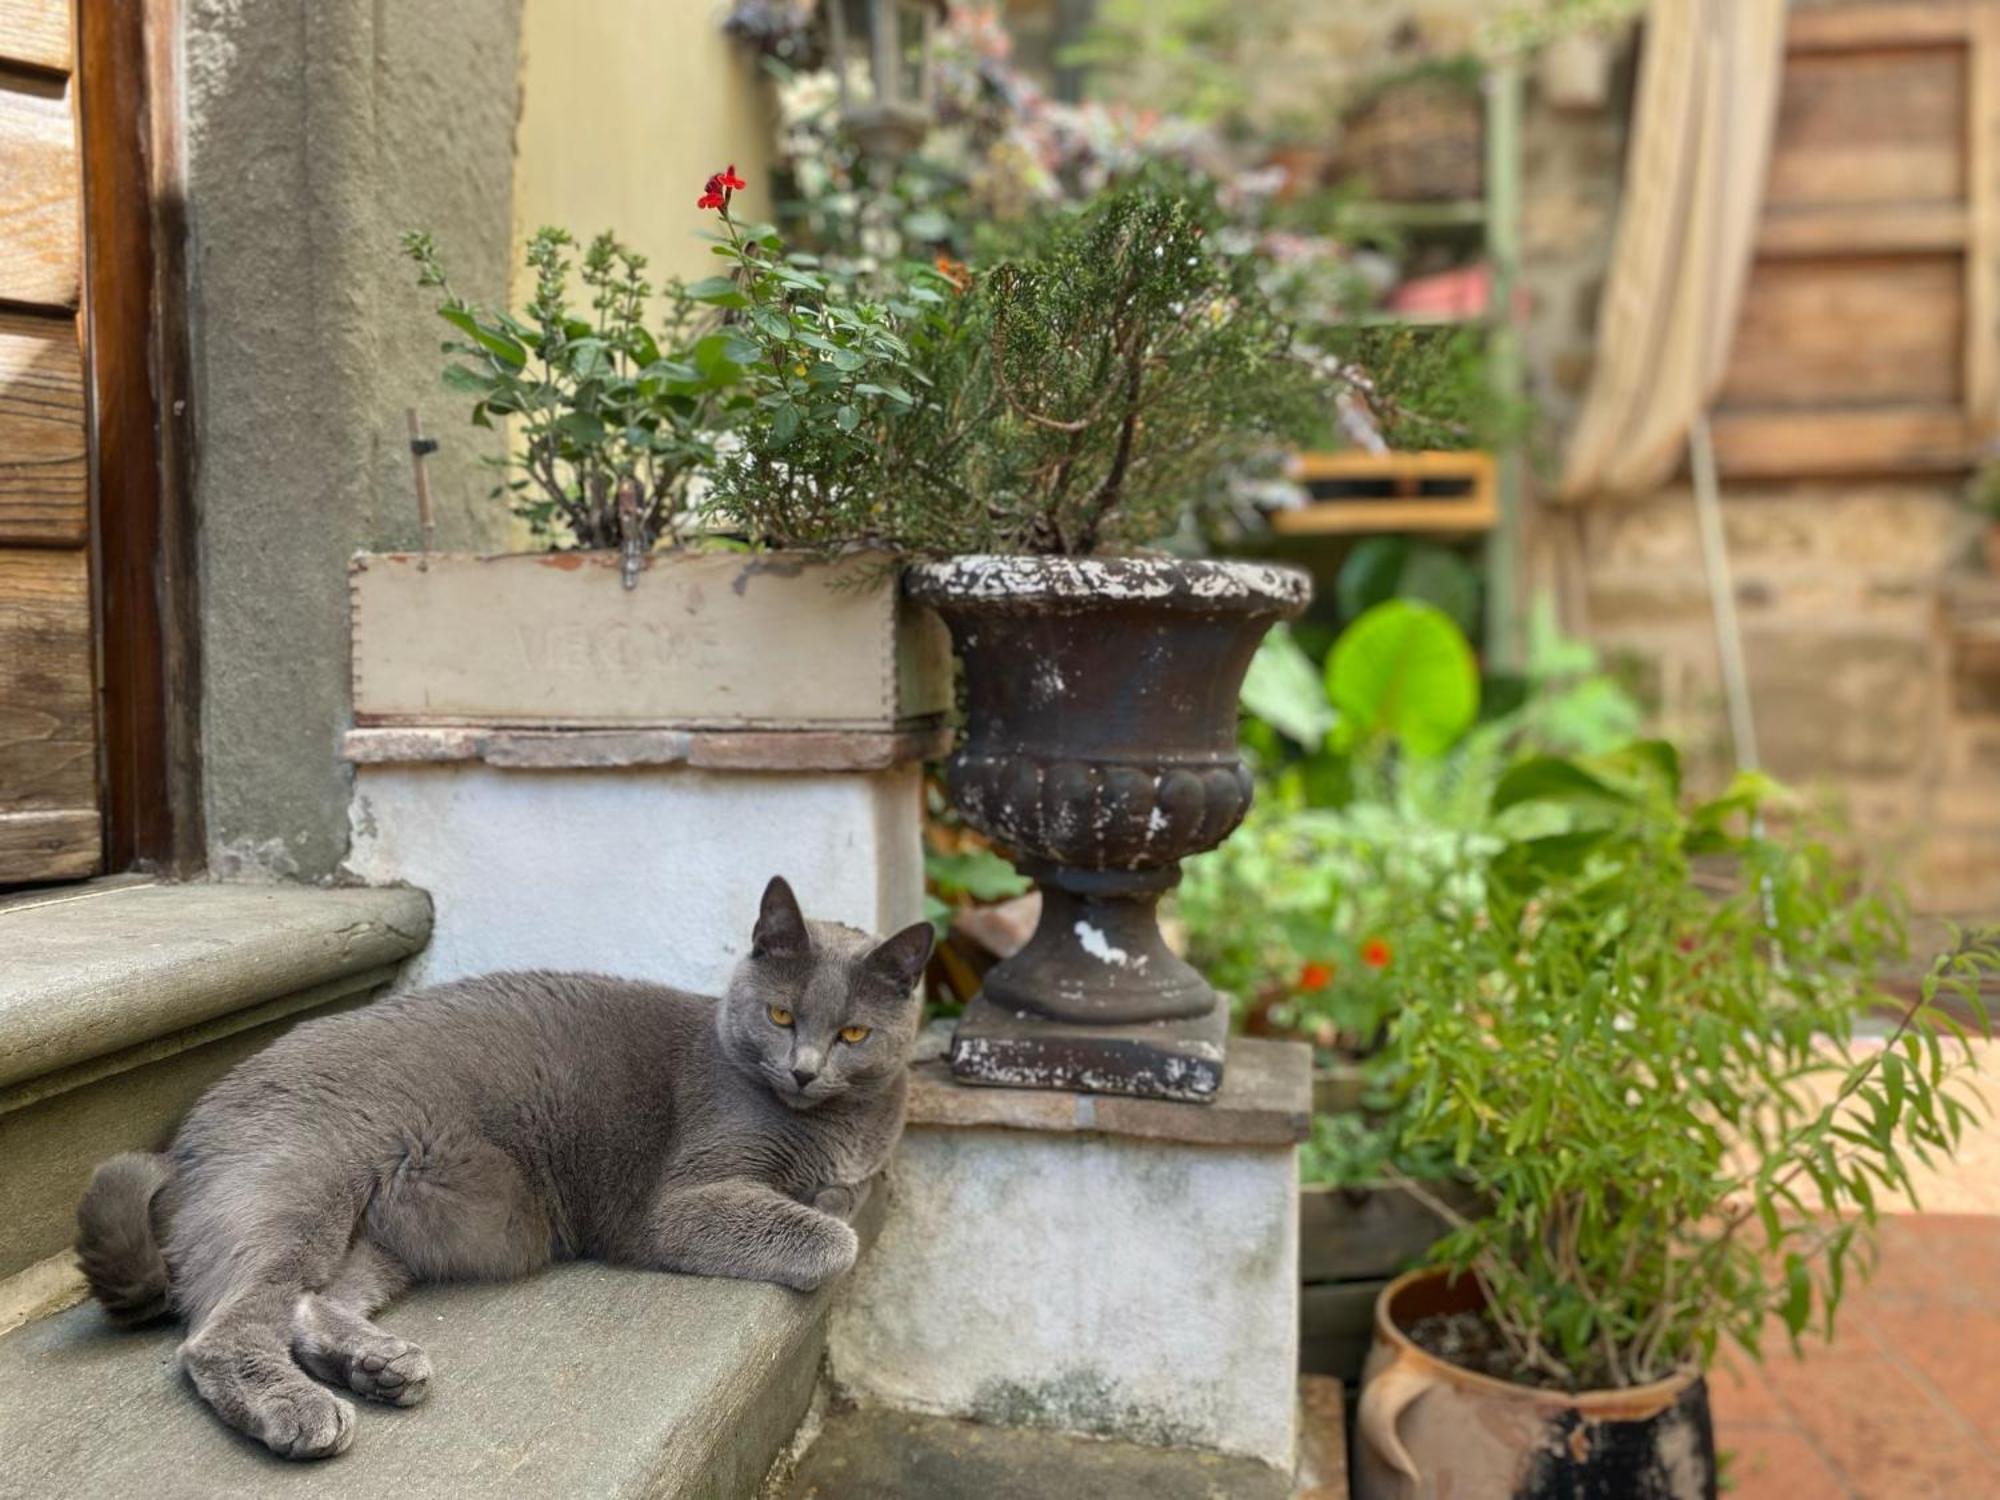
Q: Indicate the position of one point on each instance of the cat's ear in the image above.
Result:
(781, 927)
(902, 957)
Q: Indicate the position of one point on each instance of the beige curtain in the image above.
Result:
(1694, 186)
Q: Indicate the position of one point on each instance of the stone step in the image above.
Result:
(585, 1381)
(122, 1000)
(879, 1453)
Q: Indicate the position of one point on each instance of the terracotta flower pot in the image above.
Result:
(1428, 1430)
(1100, 751)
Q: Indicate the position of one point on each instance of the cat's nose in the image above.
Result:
(803, 1076)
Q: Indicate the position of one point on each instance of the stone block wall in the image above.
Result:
(1863, 688)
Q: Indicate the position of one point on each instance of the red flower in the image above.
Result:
(1375, 953)
(1315, 977)
(715, 192)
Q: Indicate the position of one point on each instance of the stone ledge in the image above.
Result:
(92, 971)
(879, 1453)
(1265, 1100)
(605, 749)
(583, 1381)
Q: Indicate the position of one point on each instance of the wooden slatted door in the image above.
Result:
(51, 827)
(1868, 341)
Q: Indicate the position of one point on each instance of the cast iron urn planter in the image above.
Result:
(1099, 752)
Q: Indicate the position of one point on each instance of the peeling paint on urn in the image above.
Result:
(1100, 751)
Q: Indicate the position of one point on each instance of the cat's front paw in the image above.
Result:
(843, 1199)
(827, 1256)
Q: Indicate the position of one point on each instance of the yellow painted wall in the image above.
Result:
(626, 107)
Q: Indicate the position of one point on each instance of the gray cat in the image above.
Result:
(489, 1127)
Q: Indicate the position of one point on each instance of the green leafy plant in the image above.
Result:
(1357, 1148)
(1569, 703)
(1522, 25)
(1426, 386)
(1285, 691)
(1404, 669)
(1006, 155)
(1087, 394)
(971, 874)
(1641, 1037)
(1187, 57)
(821, 374)
(616, 404)
(1381, 568)
(772, 381)
(1296, 915)
(1982, 490)
(1362, 821)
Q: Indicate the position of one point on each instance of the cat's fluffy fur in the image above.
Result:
(489, 1127)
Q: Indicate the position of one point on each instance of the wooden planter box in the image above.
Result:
(706, 641)
(1365, 493)
(1339, 1088)
(1353, 1241)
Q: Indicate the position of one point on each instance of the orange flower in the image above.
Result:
(1315, 977)
(954, 271)
(1375, 953)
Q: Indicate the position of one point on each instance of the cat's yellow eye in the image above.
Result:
(853, 1033)
(780, 1016)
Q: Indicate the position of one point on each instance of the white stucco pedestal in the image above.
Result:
(1122, 1268)
(637, 853)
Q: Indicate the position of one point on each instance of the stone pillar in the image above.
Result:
(1122, 1268)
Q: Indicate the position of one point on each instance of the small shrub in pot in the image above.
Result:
(1076, 403)
(1657, 1074)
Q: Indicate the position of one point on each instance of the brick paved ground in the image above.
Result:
(1905, 1404)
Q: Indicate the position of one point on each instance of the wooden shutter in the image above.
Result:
(1868, 340)
(50, 822)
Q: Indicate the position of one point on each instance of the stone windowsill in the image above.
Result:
(506, 748)
(91, 971)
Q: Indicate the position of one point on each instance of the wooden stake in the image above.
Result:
(422, 447)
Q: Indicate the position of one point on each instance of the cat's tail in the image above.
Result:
(115, 1238)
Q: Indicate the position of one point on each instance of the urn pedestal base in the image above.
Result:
(1179, 1059)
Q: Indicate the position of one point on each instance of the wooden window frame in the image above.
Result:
(142, 526)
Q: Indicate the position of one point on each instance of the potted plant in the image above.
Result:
(1651, 1072)
(577, 686)
(1074, 403)
(620, 411)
